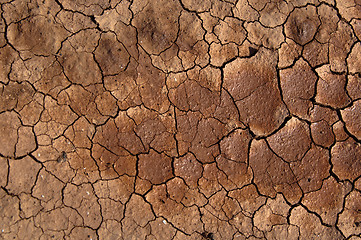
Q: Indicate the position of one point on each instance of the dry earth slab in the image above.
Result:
(180, 119)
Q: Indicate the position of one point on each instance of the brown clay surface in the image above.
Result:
(180, 119)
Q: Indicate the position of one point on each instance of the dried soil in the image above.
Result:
(180, 119)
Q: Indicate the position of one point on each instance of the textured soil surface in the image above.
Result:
(180, 119)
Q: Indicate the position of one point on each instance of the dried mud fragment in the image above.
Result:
(221, 54)
(354, 86)
(86, 7)
(15, 96)
(16, 10)
(2, 31)
(151, 84)
(74, 21)
(204, 144)
(160, 228)
(30, 206)
(82, 102)
(284, 231)
(322, 134)
(327, 201)
(4, 171)
(9, 211)
(7, 56)
(197, 5)
(190, 95)
(157, 168)
(302, 24)
(111, 17)
(273, 213)
(24, 229)
(61, 219)
(331, 88)
(358, 184)
(209, 184)
(227, 112)
(106, 104)
(45, 74)
(310, 226)
(349, 9)
(339, 131)
(354, 59)
(244, 11)
(84, 200)
(275, 13)
(114, 192)
(86, 40)
(118, 134)
(30, 113)
(48, 189)
(288, 53)
(292, 141)
(250, 82)
(262, 36)
(155, 131)
(111, 55)
(76, 65)
(230, 30)
(352, 118)
(339, 46)
(124, 87)
(315, 53)
(157, 27)
(111, 210)
(208, 77)
(346, 159)
(22, 175)
(312, 169)
(189, 169)
(350, 218)
(216, 226)
(40, 35)
(182, 193)
(129, 39)
(111, 165)
(198, 55)
(168, 61)
(329, 19)
(220, 9)
(272, 174)
(110, 229)
(185, 218)
(356, 25)
(248, 198)
(16, 140)
(298, 87)
(233, 160)
(320, 113)
(82, 233)
(235, 146)
(238, 174)
(190, 31)
(79, 168)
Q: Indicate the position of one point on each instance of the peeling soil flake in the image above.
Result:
(180, 119)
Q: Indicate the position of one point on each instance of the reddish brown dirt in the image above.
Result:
(180, 119)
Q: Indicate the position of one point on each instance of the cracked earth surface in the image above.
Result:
(180, 119)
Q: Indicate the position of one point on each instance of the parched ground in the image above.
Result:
(180, 119)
